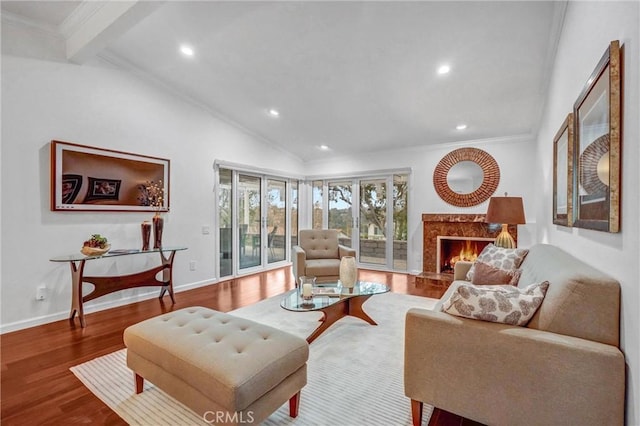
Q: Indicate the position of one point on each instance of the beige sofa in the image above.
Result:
(318, 254)
(564, 367)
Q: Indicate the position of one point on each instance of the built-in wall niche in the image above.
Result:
(451, 249)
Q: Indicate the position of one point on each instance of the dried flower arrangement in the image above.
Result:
(152, 194)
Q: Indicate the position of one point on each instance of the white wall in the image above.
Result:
(44, 100)
(515, 179)
(587, 31)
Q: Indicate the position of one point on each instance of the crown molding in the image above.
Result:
(79, 17)
(40, 27)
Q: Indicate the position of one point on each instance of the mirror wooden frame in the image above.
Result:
(489, 184)
(596, 204)
(563, 155)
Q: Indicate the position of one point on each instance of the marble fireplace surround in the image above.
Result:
(457, 225)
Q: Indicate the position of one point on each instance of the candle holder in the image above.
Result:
(306, 287)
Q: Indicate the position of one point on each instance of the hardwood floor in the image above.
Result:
(38, 388)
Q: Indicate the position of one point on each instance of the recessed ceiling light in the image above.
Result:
(444, 69)
(274, 112)
(324, 147)
(461, 126)
(186, 50)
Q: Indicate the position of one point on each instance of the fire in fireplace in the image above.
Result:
(453, 249)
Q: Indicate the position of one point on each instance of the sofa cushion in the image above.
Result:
(498, 257)
(486, 274)
(496, 303)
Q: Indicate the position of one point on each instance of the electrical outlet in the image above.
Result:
(192, 265)
(41, 293)
(206, 230)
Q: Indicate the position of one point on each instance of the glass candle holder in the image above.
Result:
(306, 287)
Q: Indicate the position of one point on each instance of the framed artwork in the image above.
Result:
(563, 174)
(87, 178)
(596, 163)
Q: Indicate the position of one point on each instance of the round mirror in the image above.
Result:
(466, 177)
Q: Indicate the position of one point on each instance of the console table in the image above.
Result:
(108, 284)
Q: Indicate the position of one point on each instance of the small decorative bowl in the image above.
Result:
(94, 251)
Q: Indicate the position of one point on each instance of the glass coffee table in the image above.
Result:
(335, 302)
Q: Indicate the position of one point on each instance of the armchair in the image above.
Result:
(318, 254)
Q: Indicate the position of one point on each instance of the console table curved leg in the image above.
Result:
(76, 291)
(167, 275)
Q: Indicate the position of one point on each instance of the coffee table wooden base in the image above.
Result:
(349, 306)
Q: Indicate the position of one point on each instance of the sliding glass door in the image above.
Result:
(373, 222)
(276, 220)
(249, 220)
(340, 214)
(225, 222)
(254, 212)
(369, 213)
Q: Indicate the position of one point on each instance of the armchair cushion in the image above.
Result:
(322, 267)
(496, 303)
(320, 243)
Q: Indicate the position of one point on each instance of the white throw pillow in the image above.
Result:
(496, 303)
(498, 257)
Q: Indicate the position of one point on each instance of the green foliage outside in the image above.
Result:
(373, 208)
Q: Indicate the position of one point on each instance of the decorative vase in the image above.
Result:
(158, 224)
(146, 234)
(348, 271)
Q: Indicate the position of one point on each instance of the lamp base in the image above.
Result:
(504, 239)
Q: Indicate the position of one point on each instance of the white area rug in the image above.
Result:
(355, 371)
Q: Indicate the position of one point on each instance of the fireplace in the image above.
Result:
(453, 249)
(441, 226)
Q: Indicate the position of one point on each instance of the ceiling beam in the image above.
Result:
(90, 28)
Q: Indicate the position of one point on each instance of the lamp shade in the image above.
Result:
(509, 210)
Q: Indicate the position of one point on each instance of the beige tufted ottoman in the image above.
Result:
(230, 370)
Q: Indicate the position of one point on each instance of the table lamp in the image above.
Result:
(507, 211)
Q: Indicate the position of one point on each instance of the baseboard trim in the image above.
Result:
(100, 306)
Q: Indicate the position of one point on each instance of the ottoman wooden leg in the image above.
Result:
(139, 383)
(294, 401)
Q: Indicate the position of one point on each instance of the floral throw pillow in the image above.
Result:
(496, 303)
(486, 274)
(498, 257)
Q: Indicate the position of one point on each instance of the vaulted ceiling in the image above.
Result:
(354, 76)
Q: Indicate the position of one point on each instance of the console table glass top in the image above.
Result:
(103, 285)
(292, 300)
(76, 257)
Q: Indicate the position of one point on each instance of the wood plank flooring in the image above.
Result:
(38, 388)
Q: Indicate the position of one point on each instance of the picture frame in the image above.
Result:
(597, 146)
(86, 178)
(563, 173)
